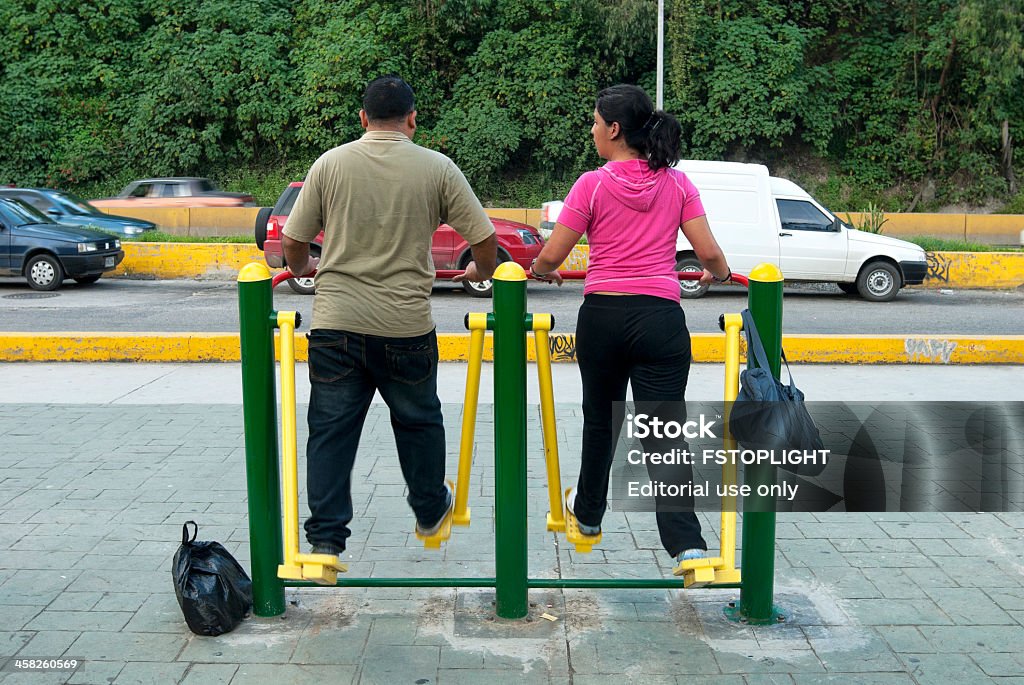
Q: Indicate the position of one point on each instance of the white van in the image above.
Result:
(759, 218)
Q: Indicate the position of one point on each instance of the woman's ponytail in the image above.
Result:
(663, 134)
(653, 133)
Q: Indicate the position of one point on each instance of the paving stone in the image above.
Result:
(117, 601)
(80, 620)
(159, 613)
(854, 679)
(904, 639)
(294, 674)
(49, 644)
(17, 617)
(12, 642)
(968, 606)
(613, 679)
(210, 674)
(973, 639)
(880, 612)
(150, 673)
(943, 668)
(851, 650)
(102, 646)
(391, 664)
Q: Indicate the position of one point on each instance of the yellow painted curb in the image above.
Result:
(454, 347)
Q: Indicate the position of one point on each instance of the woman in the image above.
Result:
(631, 327)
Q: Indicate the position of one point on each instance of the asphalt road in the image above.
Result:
(211, 306)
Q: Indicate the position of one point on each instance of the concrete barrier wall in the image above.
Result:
(989, 229)
(214, 261)
(195, 221)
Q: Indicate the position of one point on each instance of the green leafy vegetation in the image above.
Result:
(161, 237)
(946, 245)
(911, 106)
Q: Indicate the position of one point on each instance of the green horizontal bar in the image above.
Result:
(556, 583)
(631, 583)
(398, 582)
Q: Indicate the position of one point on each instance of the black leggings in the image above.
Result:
(642, 340)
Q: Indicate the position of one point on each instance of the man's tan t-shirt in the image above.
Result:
(379, 200)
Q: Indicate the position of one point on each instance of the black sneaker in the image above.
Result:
(432, 530)
(327, 548)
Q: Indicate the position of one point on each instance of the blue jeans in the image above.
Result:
(344, 371)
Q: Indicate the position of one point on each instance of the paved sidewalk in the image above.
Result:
(102, 463)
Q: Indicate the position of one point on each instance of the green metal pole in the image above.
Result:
(758, 587)
(510, 544)
(263, 479)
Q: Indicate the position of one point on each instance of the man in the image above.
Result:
(378, 200)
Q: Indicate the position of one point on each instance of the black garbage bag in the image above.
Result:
(213, 590)
(770, 415)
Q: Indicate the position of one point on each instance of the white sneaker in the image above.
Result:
(570, 500)
(694, 553)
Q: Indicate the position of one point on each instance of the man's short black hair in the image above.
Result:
(387, 98)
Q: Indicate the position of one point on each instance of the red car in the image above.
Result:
(516, 242)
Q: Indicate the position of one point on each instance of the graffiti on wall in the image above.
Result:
(929, 350)
(938, 267)
(562, 348)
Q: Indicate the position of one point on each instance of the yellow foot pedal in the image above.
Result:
(322, 569)
(444, 531)
(697, 572)
(584, 543)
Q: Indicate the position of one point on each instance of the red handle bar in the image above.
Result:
(567, 275)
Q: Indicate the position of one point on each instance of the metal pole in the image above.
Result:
(510, 544)
(659, 98)
(758, 589)
(255, 308)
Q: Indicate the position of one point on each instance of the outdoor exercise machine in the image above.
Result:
(276, 562)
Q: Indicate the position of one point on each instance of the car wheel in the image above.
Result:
(879, 282)
(304, 286)
(483, 288)
(262, 217)
(690, 290)
(86, 280)
(848, 288)
(44, 272)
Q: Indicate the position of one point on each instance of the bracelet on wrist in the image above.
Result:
(533, 272)
(716, 279)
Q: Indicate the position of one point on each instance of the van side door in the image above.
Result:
(812, 246)
(739, 212)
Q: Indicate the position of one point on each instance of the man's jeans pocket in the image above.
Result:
(411, 364)
(328, 358)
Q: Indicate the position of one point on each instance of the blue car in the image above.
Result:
(44, 252)
(66, 209)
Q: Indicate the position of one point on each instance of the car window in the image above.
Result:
(74, 204)
(286, 201)
(22, 213)
(33, 200)
(799, 215)
(141, 190)
(167, 190)
(204, 186)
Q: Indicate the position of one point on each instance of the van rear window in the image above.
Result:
(286, 201)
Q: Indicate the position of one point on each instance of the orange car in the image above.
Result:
(174, 192)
